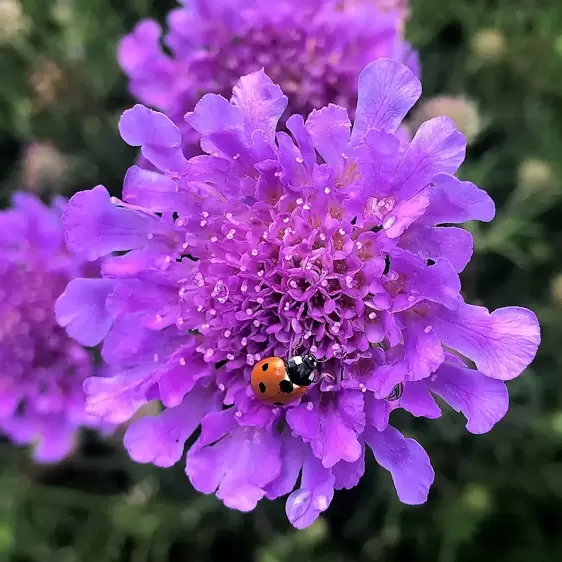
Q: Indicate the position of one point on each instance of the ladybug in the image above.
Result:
(278, 382)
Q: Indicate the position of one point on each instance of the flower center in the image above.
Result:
(289, 283)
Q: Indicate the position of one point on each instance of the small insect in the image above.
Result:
(396, 393)
(278, 382)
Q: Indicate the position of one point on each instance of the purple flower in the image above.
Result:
(330, 241)
(401, 7)
(314, 49)
(43, 370)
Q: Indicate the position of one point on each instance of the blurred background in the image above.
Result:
(495, 66)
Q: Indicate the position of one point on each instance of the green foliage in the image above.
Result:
(496, 496)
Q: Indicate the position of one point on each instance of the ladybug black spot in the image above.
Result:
(265, 366)
(286, 387)
(262, 387)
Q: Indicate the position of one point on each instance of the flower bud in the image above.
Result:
(462, 111)
(12, 20)
(489, 44)
(535, 174)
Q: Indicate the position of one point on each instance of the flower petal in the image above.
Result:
(483, 400)
(293, 451)
(406, 461)
(132, 263)
(55, 439)
(296, 125)
(387, 91)
(95, 227)
(239, 466)
(313, 497)
(160, 140)
(151, 72)
(437, 283)
(160, 439)
(501, 344)
(348, 474)
(129, 343)
(262, 103)
(154, 191)
(454, 244)
(383, 380)
(141, 126)
(117, 398)
(293, 171)
(81, 310)
(201, 467)
(417, 400)
(422, 349)
(213, 113)
(154, 305)
(405, 213)
(10, 396)
(331, 428)
(180, 375)
(456, 201)
(437, 147)
(377, 411)
(30, 221)
(147, 32)
(329, 128)
(377, 158)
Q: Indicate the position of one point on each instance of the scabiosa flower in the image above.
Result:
(314, 49)
(330, 241)
(43, 370)
(402, 6)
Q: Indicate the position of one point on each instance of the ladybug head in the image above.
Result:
(300, 369)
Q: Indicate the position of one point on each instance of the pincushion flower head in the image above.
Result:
(314, 49)
(43, 370)
(331, 242)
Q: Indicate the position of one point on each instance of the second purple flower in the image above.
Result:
(314, 49)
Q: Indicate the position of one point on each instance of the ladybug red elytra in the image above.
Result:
(278, 382)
